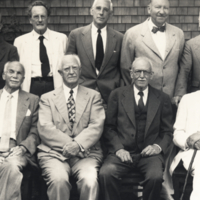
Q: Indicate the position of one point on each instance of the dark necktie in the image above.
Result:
(6, 131)
(44, 58)
(141, 102)
(71, 108)
(99, 51)
(156, 29)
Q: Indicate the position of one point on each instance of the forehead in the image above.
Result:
(142, 65)
(15, 67)
(69, 61)
(160, 2)
(39, 10)
(102, 3)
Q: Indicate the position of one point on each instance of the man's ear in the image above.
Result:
(60, 72)
(3, 76)
(149, 9)
(91, 11)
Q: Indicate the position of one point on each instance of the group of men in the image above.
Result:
(80, 81)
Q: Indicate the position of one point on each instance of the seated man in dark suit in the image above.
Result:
(18, 131)
(7, 53)
(138, 130)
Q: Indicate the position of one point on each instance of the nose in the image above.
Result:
(101, 11)
(71, 71)
(142, 74)
(40, 18)
(14, 75)
(162, 10)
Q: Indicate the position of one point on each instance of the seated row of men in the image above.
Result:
(138, 130)
(70, 122)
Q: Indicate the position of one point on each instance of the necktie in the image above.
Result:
(6, 131)
(99, 51)
(140, 102)
(156, 29)
(44, 58)
(71, 108)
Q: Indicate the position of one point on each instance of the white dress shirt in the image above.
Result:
(35, 57)
(67, 92)
(14, 101)
(94, 34)
(159, 39)
(137, 96)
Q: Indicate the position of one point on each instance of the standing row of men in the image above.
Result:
(138, 127)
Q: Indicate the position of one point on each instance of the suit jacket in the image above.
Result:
(187, 123)
(120, 126)
(109, 78)
(138, 42)
(54, 126)
(7, 53)
(58, 49)
(190, 61)
(26, 123)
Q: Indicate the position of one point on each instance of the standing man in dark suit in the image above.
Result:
(138, 130)
(18, 131)
(99, 48)
(190, 63)
(7, 53)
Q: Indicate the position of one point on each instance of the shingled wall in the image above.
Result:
(69, 14)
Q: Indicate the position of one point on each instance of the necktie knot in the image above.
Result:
(99, 31)
(71, 92)
(141, 94)
(41, 38)
(156, 29)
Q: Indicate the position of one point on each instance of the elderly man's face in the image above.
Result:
(14, 76)
(39, 19)
(141, 74)
(159, 11)
(101, 13)
(70, 71)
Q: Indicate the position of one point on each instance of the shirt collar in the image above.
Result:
(145, 92)
(14, 94)
(151, 24)
(36, 35)
(94, 29)
(67, 90)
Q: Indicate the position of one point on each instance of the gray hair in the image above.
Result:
(70, 54)
(111, 4)
(142, 58)
(10, 62)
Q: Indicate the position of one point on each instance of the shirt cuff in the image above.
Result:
(80, 146)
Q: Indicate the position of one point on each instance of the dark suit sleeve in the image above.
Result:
(166, 125)
(71, 44)
(13, 55)
(32, 140)
(185, 68)
(111, 138)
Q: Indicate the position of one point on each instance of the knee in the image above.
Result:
(11, 168)
(107, 171)
(155, 176)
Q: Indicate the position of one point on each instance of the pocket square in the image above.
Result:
(114, 51)
(28, 113)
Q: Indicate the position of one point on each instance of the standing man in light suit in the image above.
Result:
(157, 40)
(99, 49)
(40, 52)
(18, 131)
(71, 120)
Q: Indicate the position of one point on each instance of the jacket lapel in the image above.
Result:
(81, 103)
(110, 47)
(87, 43)
(22, 107)
(197, 50)
(170, 40)
(148, 40)
(61, 105)
(153, 105)
(128, 102)
(2, 49)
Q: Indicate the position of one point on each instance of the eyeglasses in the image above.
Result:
(145, 73)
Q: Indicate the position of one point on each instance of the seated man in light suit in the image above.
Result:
(138, 131)
(71, 120)
(40, 51)
(18, 131)
(187, 138)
